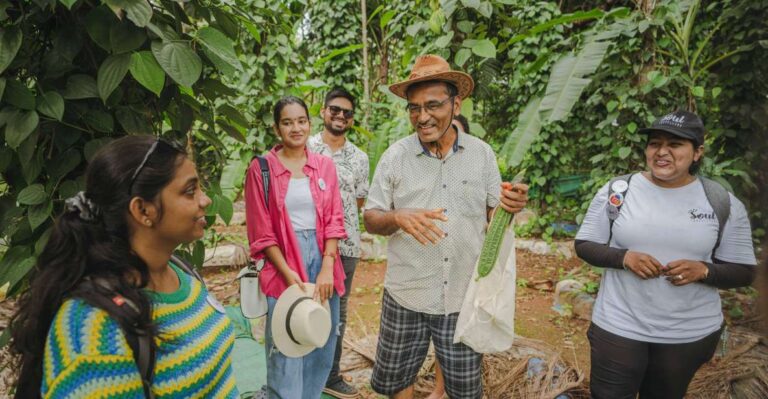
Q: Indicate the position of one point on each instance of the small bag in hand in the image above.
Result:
(253, 302)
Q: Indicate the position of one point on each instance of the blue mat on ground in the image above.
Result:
(248, 358)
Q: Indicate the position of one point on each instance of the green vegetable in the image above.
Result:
(492, 243)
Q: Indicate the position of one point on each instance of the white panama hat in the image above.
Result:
(299, 323)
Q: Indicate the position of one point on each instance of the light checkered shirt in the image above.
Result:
(434, 278)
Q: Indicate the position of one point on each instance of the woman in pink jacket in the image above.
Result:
(296, 229)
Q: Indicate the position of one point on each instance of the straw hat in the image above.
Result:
(434, 67)
(300, 324)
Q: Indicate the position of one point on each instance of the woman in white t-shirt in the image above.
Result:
(658, 315)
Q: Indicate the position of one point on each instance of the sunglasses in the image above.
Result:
(173, 145)
(348, 113)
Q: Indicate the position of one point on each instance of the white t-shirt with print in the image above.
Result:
(668, 224)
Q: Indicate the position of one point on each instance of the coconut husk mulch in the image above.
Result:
(739, 369)
(510, 374)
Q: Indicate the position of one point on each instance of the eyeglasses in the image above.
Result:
(348, 113)
(431, 106)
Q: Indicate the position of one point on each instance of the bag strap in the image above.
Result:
(720, 201)
(186, 267)
(264, 165)
(139, 340)
(613, 211)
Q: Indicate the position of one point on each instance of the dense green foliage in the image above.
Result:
(562, 88)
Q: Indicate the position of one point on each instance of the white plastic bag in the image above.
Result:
(253, 302)
(487, 318)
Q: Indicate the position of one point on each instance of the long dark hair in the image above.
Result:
(81, 246)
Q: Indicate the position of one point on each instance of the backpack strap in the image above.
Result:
(264, 165)
(139, 340)
(720, 201)
(186, 267)
(616, 198)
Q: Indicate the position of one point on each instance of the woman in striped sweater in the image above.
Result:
(142, 199)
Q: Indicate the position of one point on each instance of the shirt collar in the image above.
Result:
(280, 169)
(420, 149)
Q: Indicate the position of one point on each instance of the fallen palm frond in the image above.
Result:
(741, 372)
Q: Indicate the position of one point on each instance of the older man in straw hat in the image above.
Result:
(432, 193)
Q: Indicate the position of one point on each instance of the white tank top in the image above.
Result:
(300, 205)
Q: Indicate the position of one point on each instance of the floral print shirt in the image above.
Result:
(352, 169)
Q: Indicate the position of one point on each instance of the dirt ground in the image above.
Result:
(534, 317)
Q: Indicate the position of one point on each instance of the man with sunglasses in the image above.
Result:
(432, 193)
(352, 168)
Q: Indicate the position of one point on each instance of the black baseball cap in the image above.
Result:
(679, 123)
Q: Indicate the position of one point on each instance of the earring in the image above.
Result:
(148, 222)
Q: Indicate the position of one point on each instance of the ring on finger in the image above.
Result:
(679, 277)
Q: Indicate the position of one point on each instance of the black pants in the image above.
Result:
(622, 367)
(349, 270)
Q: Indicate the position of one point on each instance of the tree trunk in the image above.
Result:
(366, 89)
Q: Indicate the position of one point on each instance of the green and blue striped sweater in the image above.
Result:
(87, 355)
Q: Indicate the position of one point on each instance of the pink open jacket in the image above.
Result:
(268, 227)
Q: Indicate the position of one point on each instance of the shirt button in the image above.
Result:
(444, 186)
(446, 259)
(445, 282)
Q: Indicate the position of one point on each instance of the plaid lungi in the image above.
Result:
(403, 343)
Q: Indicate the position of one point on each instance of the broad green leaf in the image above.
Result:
(336, 53)
(100, 121)
(12, 275)
(6, 156)
(465, 26)
(436, 21)
(179, 61)
(92, 146)
(20, 126)
(111, 73)
(231, 130)
(32, 195)
(138, 11)
(485, 9)
(51, 104)
(40, 244)
(467, 107)
(17, 94)
(80, 87)
(611, 105)
(133, 122)
(698, 91)
(39, 213)
(477, 129)
(32, 169)
(386, 18)
(125, 37)
(312, 83)
(68, 3)
(716, 92)
(2, 87)
(227, 23)
(219, 44)
(145, 69)
(225, 69)
(6, 114)
(233, 115)
(484, 48)
(568, 80)
(98, 24)
(225, 208)
(10, 42)
(624, 152)
(632, 127)
(526, 132)
(462, 56)
(232, 177)
(64, 163)
(445, 40)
